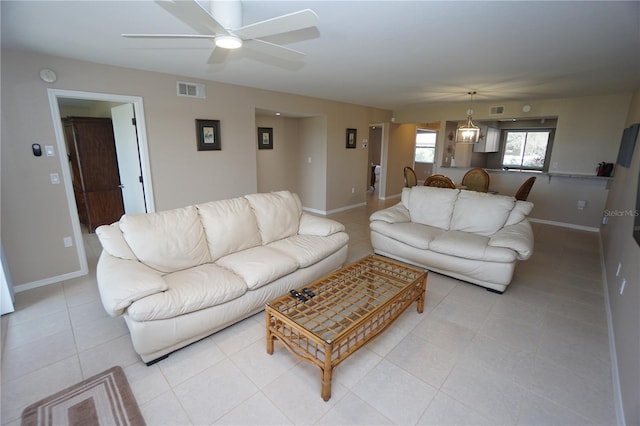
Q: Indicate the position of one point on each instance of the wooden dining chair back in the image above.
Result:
(410, 178)
(439, 181)
(476, 179)
(525, 188)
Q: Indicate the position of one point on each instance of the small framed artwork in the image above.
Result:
(208, 133)
(265, 138)
(351, 138)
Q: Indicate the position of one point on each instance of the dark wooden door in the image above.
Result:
(94, 166)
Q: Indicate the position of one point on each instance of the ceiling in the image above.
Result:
(386, 54)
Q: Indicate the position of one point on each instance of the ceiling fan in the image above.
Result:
(223, 25)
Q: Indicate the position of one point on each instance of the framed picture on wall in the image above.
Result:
(208, 134)
(351, 137)
(265, 138)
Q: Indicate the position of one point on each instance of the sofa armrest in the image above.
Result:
(121, 282)
(394, 214)
(518, 237)
(318, 226)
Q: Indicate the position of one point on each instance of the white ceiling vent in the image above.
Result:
(191, 90)
(496, 110)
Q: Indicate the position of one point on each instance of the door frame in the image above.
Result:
(54, 95)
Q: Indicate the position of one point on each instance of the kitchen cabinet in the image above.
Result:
(490, 142)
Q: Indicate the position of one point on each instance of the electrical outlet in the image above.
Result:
(67, 241)
(353, 190)
(55, 178)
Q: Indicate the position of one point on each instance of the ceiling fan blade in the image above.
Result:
(282, 24)
(276, 50)
(193, 14)
(168, 36)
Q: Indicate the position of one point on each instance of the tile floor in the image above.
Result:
(536, 355)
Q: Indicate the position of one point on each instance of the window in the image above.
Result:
(425, 146)
(527, 149)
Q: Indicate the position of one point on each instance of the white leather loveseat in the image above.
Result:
(472, 236)
(178, 276)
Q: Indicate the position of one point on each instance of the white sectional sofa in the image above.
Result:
(472, 236)
(178, 276)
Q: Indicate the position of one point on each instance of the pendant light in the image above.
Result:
(468, 132)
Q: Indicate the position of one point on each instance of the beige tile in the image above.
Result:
(296, 394)
(257, 410)
(423, 360)
(445, 410)
(259, 366)
(404, 397)
(215, 392)
(37, 354)
(351, 410)
(164, 410)
(592, 400)
(539, 411)
(190, 361)
(18, 394)
(488, 392)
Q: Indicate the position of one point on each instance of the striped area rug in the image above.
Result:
(104, 399)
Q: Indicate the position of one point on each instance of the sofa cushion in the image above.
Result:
(310, 249)
(393, 214)
(277, 214)
(413, 234)
(167, 241)
(404, 197)
(480, 213)
(259, 265)
(432, 206)
(188, 291)
(319, 226)
(112, 241)
(229, 225)
(519, 212)
(470, 246)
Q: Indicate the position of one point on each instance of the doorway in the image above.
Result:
(374, 170)
(134, 163)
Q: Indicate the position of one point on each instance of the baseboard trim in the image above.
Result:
(47, 281)
(615, 374)
(564, 224)
(391, 197)
(341, 209)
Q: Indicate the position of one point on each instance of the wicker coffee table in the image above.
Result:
(348, 308)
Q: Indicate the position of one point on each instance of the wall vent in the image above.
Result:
(191, 90)
(496, 110)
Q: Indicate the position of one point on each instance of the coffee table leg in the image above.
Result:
(270, 337)
(422, 295)
(327, 372)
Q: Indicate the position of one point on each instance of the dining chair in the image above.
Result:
(439, 181)
(476, 179)
(410, 178)
(525, 188)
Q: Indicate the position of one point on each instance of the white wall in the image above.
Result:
(620, 247)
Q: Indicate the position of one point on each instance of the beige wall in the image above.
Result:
(619, 246)
(35, 214)
(279, 168)
(588, 132)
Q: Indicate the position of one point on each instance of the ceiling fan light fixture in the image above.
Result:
(228, 42)
(468, 132)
